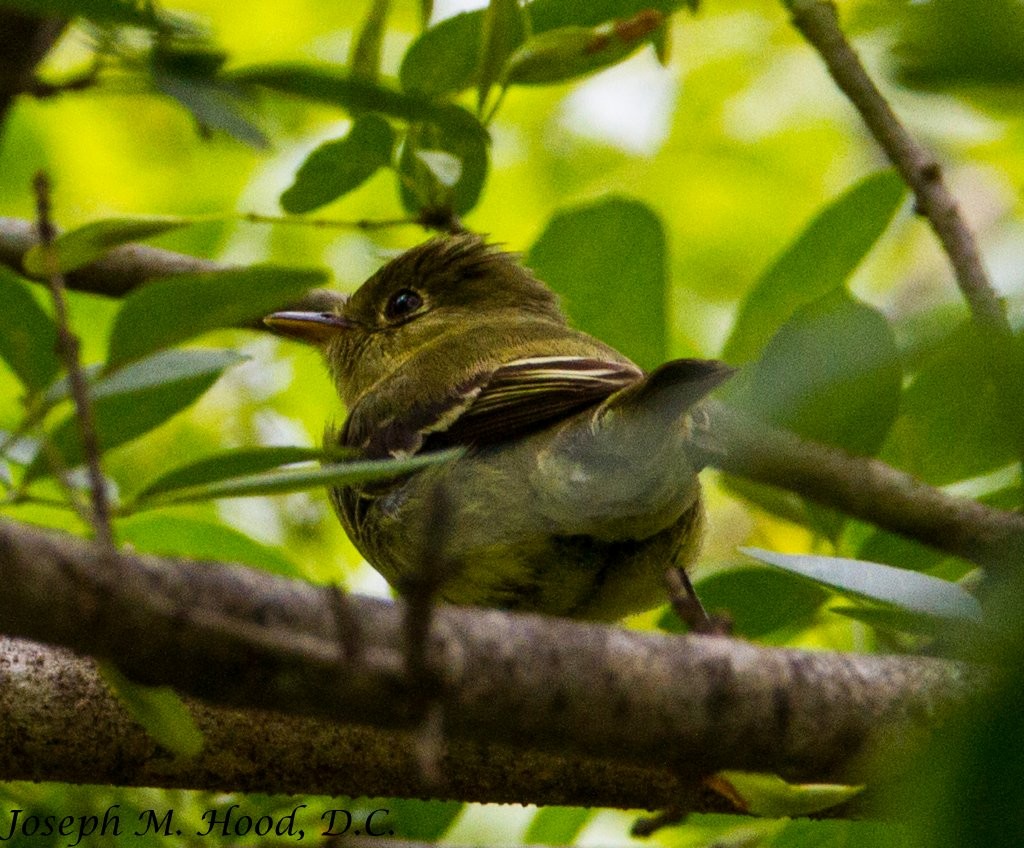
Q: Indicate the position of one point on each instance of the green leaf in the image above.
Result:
(125, 12)
(329, 84)
(907, 590)
(894, 620)
(557, 825)
(300, 479)
(608, 260)
(821, 259)
(950, 426)
(570, 52)
(176, 536)
(772, 797)
(214, 104)
(758, 601)
(134, 400)
(428, 183)
(171, 310)
(831, 374)
(366, 55)
(237, 462)
(504, 29)
(160, 710)
(28, 337)
(337, 167)
(84, 245)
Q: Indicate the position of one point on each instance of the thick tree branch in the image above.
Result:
(243, 639)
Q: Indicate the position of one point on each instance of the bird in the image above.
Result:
(575, 487)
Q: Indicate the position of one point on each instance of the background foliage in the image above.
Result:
(724, 203)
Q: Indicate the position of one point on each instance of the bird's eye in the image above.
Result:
(402, 303)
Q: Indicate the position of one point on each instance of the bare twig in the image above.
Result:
(686, 604)
(818, 22)
(68, 349)
(365, 224)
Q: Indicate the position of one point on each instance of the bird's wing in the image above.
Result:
(495, 405)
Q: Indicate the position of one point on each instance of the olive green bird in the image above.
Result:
(577, 488)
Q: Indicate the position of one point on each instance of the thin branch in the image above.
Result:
(525, 682)
(817, 20)
(68, 349)
(365, 224)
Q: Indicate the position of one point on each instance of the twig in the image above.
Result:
(329, 223)
(818, 22)
(686, 604)
(68, 350)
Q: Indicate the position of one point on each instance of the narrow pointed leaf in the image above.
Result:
(907, 590)
(339, 166)
(136, 399)
(174, 309)
(84, 245)
(820, 260)
(425, 184)
(232, 463)
(366, 55)
(504, 29)
(28, 336)
(301, 479)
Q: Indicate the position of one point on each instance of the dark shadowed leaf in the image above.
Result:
(608, 261)
(504, 29)
(28, 337)
(821, 259)
(160, 710)
(831, 374)
(171, 310)
(124, 12)
(135, 399)
(238, 462)
(337, 167)
(366, 53)
(299, 479)
(433, 182)
(907, 590)
(177, 536)
(84, 245)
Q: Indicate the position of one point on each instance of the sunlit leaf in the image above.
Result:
(237, 462)
(174, 309)
(557, 825)
(177, 536)
(160, 710)
(84, 245)
(339, 166)
(608, 261)
(136, 399)
(821, 259)
(569, 52)
(28, 337)
(770, 796)
(299, 479)
(908, 590)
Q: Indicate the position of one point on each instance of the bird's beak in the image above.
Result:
(312, 327)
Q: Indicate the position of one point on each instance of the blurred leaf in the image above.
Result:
(895, 620)
(160, 710)
(569, 52)
(426, 10)
(757, 600)
(175, 536)
(831, 374)
(299, 479)
(908, 590)
(329, 84)
(557, 825)
(420, 820)
(337, 167)
(953, 44)
(366, 55)
(135, 399)
(28, 337)
(608, 260)
(170, 310)
(444, 167)
(237, 462)
(772, 797)
(808, 833)
(214, 104)
(821, 259)
(126, 12)
(504, 29)
(950, 426)
(444, 59)
(421, 188)
(84, 245)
